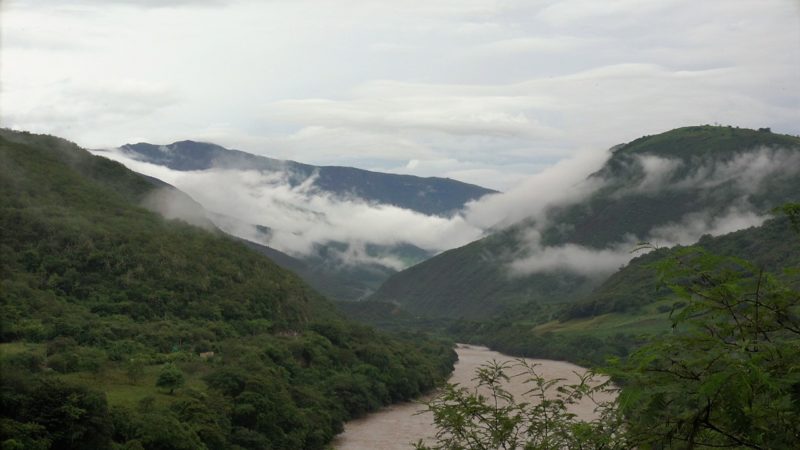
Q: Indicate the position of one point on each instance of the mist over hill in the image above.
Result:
(349, 229)
(669, 189)
(125, 328)
(430, 196)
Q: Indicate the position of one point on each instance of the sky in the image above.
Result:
(484, 91)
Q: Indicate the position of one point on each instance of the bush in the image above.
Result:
(170, 378)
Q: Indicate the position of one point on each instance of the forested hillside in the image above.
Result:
(630, 307)
(122, 329)
(660, 188)
(719, 372)
(771, 246)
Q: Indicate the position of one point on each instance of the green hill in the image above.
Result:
(121, 329)
(771, 246)
(629, 307)
(684, 175)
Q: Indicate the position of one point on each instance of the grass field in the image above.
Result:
(649, 320)
(112, 378)
(121, 391)
(14, 348)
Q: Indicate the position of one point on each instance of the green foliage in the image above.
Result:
(728, 376)
(772, 246)
(468, 419)
(170, 378)
(792, 211)
(103, 300)
(134, 370)
(472, 282)
(48, 413)
(627, 310)
(725, 377)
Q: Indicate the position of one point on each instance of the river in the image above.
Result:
(397, 426)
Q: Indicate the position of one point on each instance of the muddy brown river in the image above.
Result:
(398, 426)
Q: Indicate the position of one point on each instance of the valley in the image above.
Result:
(304, 216)
(132, 298)
(426, 224)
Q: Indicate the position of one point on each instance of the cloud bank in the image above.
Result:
(743, 174)
(478, 90)
(265, 208)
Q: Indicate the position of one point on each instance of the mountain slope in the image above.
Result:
(668, 188)
(431, 196)
(772, 246)
(631, 306)
(114, 253)
(122, 328)
(341, 283)
(309, 213)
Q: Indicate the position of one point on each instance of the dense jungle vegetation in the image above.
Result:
(726, 376)
(627, 309)
(124, 330)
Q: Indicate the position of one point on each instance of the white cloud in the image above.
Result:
(572, 258)
(522, 45)
(563, 183)
(690, 228)
(65, 105)
(175, 205)
(448, 114)
(301, 217)
(570, 12)
(657, 172)
(747, 170)
(133, 3)
(602, 262)
(497, 87)
(743, 174)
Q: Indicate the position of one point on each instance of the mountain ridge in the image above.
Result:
(475, 280)
(347, 268)
(427, 195)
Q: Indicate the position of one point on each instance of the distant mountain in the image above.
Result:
(340, 269)
(669, 187)
(431, 196)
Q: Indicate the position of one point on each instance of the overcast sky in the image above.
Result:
(485, 91)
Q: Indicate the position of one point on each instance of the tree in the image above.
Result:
(170, 378)
(467, 419)
(729, 374)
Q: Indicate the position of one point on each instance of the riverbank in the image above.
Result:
(398, 426)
